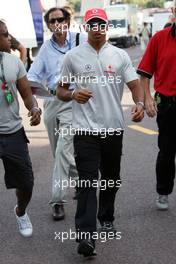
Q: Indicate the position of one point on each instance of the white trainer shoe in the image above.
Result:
(162, 202)
(24, 224)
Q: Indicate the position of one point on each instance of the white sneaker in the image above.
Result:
(24, 224)
(162, 202)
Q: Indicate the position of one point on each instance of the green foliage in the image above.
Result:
(76, 4)
(156, 3)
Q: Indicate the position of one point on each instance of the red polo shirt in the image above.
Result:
(160, 60)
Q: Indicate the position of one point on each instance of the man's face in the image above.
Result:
(96, 29)
(57, 22)
(5, 39)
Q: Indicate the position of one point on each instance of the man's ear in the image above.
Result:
(48, 26)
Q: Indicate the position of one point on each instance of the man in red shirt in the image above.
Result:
(160, 60)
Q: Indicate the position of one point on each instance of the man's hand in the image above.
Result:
(35, 114)
(81, 96)
(151, 107)
(137, 113)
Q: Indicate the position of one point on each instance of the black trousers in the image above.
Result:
(165, 165)
(93, 153)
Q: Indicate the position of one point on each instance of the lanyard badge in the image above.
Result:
(8, 94)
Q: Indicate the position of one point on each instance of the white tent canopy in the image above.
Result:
(18, 17)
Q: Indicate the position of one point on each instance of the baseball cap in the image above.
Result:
(95, 13)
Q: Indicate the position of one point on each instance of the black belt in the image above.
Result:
(166, 99)
(52, 92)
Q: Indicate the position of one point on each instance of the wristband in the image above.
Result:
(140, 103)
(36, 108)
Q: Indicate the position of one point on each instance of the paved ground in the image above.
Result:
(148, 236)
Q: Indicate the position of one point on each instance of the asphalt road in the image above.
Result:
(147, 235)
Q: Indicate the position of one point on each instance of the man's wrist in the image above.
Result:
(141, 103)
(37, 109)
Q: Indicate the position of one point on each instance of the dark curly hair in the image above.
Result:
(65, 13)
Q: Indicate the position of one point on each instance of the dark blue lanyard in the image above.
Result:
(69, 45)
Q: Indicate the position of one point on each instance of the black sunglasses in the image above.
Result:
(5, 34)
(58, 19)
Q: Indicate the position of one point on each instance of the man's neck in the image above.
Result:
(60, 39)
(97, 46)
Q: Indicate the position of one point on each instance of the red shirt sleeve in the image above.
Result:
(148, 63)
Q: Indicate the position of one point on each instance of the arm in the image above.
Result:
(23, 53)
(29, 101)
(63, 93)
(37, 71)
(138, 98)
(147, 69)
(136, 90)
(80, 96)
(16, 45)
(150, 104)
(131, 79)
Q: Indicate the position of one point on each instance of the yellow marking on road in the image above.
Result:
(143, 130)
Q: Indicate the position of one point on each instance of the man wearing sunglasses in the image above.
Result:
(98, 122)
(16, 45)
(13, 141)
(57, 114)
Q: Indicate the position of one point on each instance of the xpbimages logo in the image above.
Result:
(95, 27)
(102, 132)
(89, 77)
(102, 236)
(102, 184)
